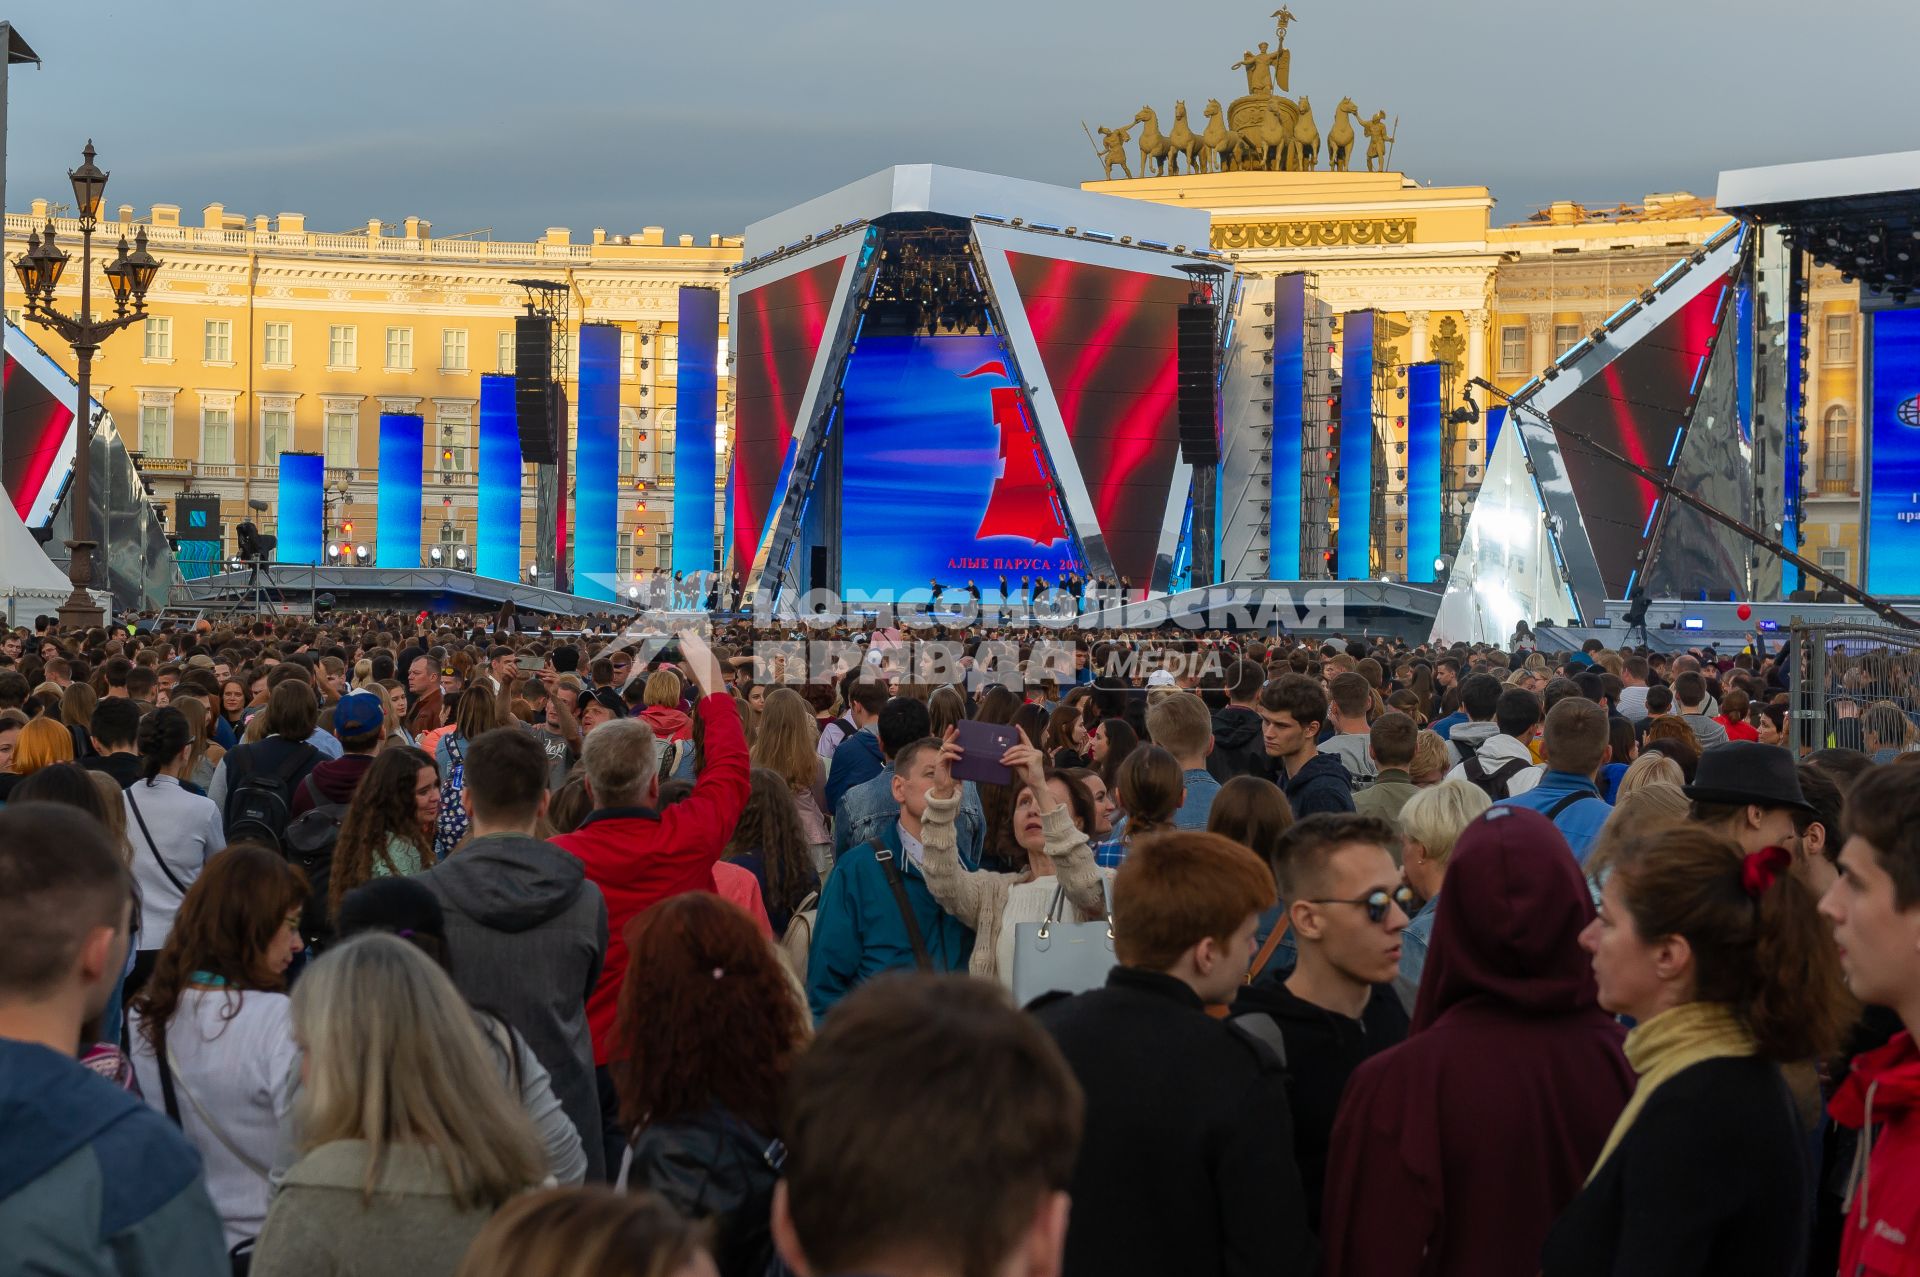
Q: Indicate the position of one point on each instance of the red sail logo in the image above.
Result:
(1021, 504)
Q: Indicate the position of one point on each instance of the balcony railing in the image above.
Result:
(1832, 485)
(189, 469)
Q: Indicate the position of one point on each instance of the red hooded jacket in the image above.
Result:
(638, 857)
(1455, 1151)
(1882, 1226)
(668, 723)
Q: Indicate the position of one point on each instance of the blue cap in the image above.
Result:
(357, 714)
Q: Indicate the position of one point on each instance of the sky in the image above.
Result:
(513, 117)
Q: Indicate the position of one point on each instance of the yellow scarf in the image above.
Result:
(1675, 1039)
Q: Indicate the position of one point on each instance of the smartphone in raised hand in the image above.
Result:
(983, 744)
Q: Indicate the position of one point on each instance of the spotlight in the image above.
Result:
(460, 555)
(434, 556)
(1439, 565)
(333, 552)
(633, 594)
(361, 553)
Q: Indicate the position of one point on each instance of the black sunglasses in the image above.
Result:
(1377, 903)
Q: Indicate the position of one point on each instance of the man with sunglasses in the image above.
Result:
(1347, 907)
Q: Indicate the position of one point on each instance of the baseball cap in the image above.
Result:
(199, 661)
(1161, 678)
(357, 714)
(608, 699)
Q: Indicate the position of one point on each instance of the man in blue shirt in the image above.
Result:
(1180, 724)
(1575, 743)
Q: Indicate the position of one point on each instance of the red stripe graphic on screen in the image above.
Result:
(36, 425)
(1021, 503)
(780, 328)
(1634, 406)
(1106, 339)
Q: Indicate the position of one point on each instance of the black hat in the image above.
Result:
(400, 905)
(609, 700)
(1744, 771)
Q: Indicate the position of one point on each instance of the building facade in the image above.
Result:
(263, 336)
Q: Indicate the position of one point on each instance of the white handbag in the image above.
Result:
(1062, 957)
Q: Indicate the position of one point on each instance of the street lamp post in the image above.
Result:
(129, 276)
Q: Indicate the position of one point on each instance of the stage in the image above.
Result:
(295, 589)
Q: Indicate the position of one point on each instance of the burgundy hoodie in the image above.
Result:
(1455, 1151)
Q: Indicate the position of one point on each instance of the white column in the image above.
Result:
(1417, 321)
(1476, 343)
(1539, 335)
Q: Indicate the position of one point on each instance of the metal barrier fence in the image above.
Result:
(1854, 686)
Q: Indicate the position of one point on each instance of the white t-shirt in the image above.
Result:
(236, 1070)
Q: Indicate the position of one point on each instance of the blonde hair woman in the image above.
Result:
(1648, 769)
(409, 1140)
(788, 743)
(206, 754)
(1430, 760)
(589, 1232)
(1430, 824)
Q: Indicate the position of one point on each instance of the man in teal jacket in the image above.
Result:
(861, 928)
(92, 1181)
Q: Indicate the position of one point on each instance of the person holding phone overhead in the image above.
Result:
(1052, 813)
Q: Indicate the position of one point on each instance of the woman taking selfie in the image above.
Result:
(1728, 973)
(1052, 814)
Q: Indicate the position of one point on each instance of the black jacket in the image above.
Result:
(1237, 747)
(1322, 785)
(713, 1166)
(1712, 1177)
(1323, 1049)
(1187, 1165)
(124, 768)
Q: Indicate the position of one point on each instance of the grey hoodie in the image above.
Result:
(1496, 748)
(526, 936)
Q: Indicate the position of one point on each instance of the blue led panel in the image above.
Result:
(300, 526)
(1353, 550)
(403, 440)
(1289, 398)
(596, 463)
(1893, 506)
(693, 448)
(497, 551)
(1423, 471)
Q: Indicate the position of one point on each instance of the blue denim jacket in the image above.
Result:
(868, 811)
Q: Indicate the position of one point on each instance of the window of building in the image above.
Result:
(623, 559)
(276, 345)
(342, 426)
(400, 349)
(343, 347)
(629, 346)
(216, 435)
(1834, 558)
(1513, 349)
(276, 434)
(1565, 338)
(669, 350)
(455, 437)
(14, 317)
(503, 353)
(1836, 450)
(1839, 339)
(159, 337)
(218, 347)
(453, 350)
(156, 429)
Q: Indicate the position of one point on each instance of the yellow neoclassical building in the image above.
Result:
(264, 335)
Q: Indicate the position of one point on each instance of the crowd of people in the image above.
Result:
(374, 944)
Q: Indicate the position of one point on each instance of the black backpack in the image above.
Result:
(1494, 782)
(260, 804)
(310, 840)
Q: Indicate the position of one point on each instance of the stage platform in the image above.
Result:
(1675, 625)
(294, 589)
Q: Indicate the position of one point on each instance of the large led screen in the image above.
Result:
(1106, 340)
(694, 407)
(1893, 506)
(777, 334)
(36, 441)
(1289, 400)
(942, 473)
(498, 552)
(1636, 406)
(596, 464)
(300, 518)
(397, 525)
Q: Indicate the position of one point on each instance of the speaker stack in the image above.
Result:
(1198, 385)
(533, 388)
